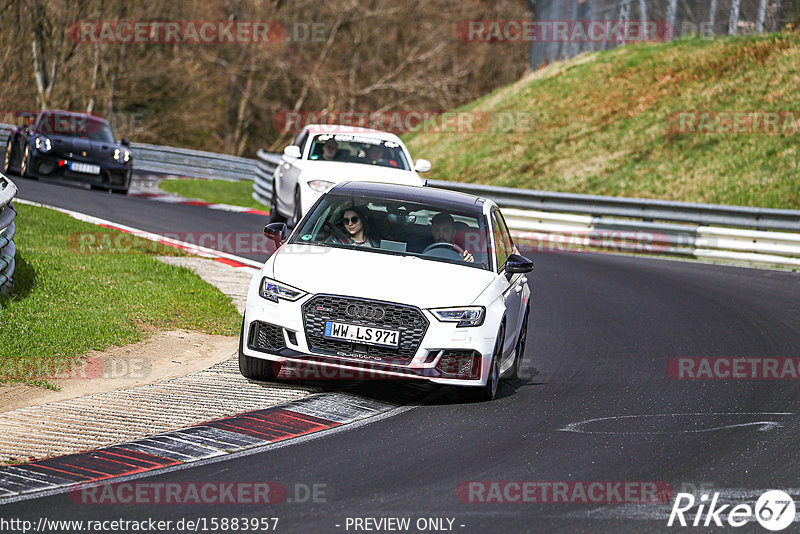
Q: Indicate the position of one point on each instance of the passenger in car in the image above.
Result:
(330, 150)
(443, 230)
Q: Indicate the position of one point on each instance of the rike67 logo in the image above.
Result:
(774, 510)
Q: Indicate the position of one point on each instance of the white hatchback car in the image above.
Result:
(391, 281)
(321, 156)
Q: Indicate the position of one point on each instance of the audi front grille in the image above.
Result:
(408, 320)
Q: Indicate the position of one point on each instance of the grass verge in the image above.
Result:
(217, 191)
(69, 299)
(603, 124)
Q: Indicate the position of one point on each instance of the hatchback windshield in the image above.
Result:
(358, 149)
(394, 226)
(75, 125)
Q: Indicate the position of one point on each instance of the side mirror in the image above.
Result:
(125, 142)
(423, 165)
(518, 264)
(276, 232)
(292, 151)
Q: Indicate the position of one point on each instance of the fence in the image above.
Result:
(7, 229)
(706, 18)
(549, 222)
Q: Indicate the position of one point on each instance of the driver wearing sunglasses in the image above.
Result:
(356, 229)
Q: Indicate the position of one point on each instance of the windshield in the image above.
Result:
(75, 125)
(358, 149)
(401, 227)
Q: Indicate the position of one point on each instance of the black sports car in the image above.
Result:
(70, 146)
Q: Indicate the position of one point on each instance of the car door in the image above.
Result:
(512, 285)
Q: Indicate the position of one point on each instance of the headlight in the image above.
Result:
(272, 290)
(467, 316)
(43, 144)
(122, 155)
(320, 186)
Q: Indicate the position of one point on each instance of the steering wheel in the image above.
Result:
(444, 249)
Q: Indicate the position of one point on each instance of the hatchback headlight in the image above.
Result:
(43, 144)
(274, 291)
(122, 155)
(466, 316)
(320, 186)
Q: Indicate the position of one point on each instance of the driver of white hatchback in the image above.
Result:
(443, 230)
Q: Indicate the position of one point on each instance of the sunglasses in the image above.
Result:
(354, 220)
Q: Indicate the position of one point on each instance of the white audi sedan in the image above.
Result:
(391, 281)
(322, 156)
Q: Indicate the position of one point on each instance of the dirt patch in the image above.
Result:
(164, 355)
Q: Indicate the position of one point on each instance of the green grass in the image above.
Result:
(600, 125)
(217, 191)
(70, 297)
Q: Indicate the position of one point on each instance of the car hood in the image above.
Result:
(64, 144)
(389, 277)
(336, 171)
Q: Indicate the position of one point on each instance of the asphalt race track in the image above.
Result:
(596, 403)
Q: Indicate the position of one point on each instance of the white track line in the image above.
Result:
(187, 247)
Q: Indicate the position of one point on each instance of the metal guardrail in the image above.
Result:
(195, 163)
(544, 221)
(7, 230)
(179, 161)
(647, 209)
(642, 225)
(262, 187)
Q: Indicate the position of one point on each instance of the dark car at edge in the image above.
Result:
(69, 146)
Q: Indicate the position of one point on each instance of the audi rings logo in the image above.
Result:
(360, 311)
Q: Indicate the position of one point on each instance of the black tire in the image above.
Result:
(255, 368)
(7, 158)
(489, 391)
(297, 213)
(519, 350)
(24, 162)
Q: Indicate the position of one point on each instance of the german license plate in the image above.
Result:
(367, 335)
(86, 168)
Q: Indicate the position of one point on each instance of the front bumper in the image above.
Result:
(112, 175)
(288, 333)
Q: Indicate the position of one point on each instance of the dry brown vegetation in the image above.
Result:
(365, 55)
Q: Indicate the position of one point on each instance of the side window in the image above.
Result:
(501, 252)
(510, 249)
